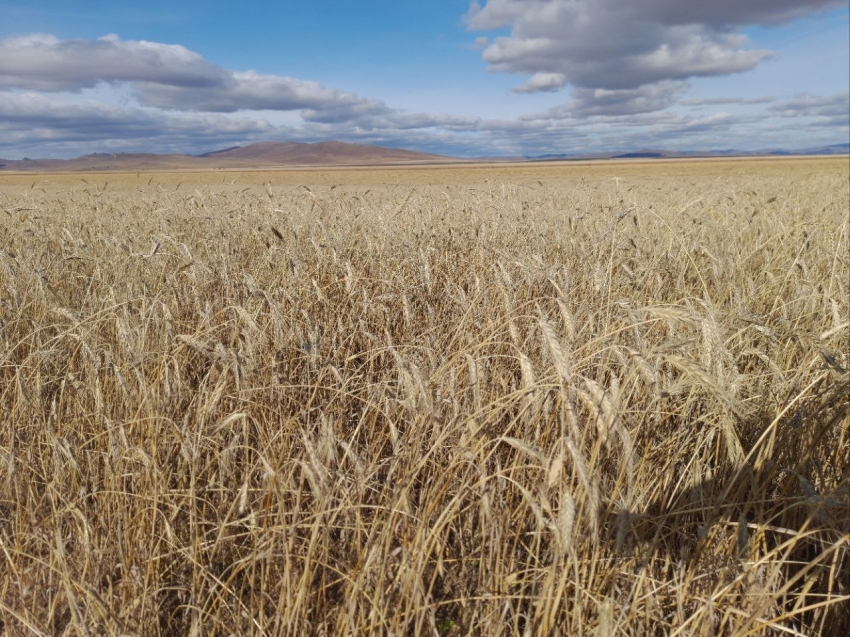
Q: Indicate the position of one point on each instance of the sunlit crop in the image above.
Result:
(578, 406)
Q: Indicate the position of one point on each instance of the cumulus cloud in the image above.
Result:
(724, 13)
(717, 13)
(173, 78)
(587, 102)
(605, 48)
(166, 76)
(542, 82)
(833, 107)
(37, 119)
(52, 90)
(43, 62)
(721, 101)
(252, 91)
(398, 120)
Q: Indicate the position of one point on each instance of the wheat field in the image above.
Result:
(579, 401)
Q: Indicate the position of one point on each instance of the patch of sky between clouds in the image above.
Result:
(812, 57)
(113, 93)
(814, 28)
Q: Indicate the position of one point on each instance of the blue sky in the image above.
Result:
(497, 77)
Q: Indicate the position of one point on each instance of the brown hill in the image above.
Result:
(259, 155)
(318, 154)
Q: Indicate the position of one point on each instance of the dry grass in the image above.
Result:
(586, 406)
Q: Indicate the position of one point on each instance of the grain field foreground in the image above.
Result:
(584, 406)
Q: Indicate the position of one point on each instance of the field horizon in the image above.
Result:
(418, 174)
(271, 155)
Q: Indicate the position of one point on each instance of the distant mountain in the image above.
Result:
(293, 154)
(645, 154)
(101, 161)
(259, 155)
(833, 149)
(319, 154)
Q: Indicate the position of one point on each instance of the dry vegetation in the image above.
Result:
(579, 406)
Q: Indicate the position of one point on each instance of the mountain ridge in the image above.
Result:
(657, 153)
(272, 154)
(258, 155)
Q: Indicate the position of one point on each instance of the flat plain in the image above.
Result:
(579, 398)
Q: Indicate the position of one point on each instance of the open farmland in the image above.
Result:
(587, 399)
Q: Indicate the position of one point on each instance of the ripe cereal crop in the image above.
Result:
(610, 399)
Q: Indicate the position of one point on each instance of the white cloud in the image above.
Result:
(39, 121)
(835, 108)
(648, 98)
(602, 47)
(165, 76)
(721, 101)
(43, 62)
(173, 78)
(252, 91)
(542, 82)
(725, 13)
